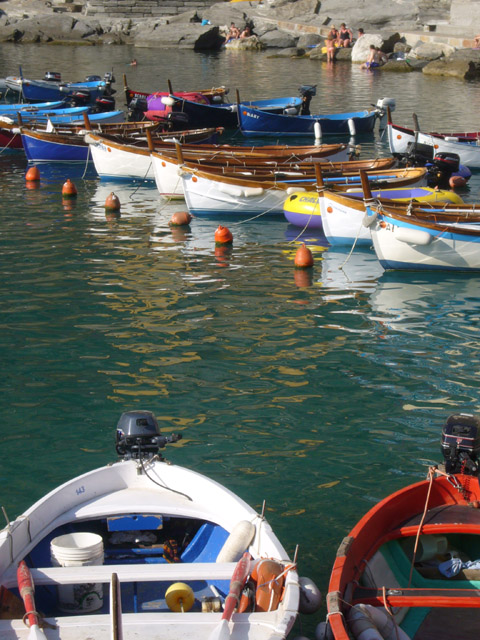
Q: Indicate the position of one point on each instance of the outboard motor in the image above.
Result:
(80, 98)
(177, 120)
(461, 444)
(417, 155)
(443, 166)
(105, 103)
(109, 79)
(381, 107)
(307, 92)
(138, 436)
(53, 76)
(137, 108)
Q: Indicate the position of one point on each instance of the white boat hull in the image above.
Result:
(412, 246)
(113, 163)
(207, 196)
(118, 491)
(469, 154)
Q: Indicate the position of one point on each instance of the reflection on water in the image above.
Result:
(318, 391)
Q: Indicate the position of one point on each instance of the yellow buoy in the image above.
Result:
(179, 597)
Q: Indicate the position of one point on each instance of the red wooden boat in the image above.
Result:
(408, 569)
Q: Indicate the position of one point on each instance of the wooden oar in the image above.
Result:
(116, 608)
(237, 583)
(26, 588)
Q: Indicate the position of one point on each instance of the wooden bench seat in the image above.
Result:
(127, 573)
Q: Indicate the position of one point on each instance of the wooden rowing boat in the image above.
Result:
(409, 569)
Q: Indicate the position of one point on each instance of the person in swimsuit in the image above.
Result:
(345, 36)
(373, 59)
(330, 45)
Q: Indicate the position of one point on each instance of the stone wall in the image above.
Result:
(142, 8)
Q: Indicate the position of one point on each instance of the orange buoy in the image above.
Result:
(33, 174)
(303, 257)
(223, 235)
(112, 203)
(69, 190)
(456, 181)
(180, 219)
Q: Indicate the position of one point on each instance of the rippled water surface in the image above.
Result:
(317, 396)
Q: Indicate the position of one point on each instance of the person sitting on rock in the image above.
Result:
(345, 36)
(333, 34)
(476, 42)
(247, 32)
(233, 33)
(373, 59)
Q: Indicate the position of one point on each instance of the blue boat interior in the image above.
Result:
(140, 539)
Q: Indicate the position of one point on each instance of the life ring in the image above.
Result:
(179, 597)
(269, 576)
(374, 623)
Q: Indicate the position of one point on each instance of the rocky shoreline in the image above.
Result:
(284, 27)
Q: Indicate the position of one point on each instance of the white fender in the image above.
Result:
(310, 596)
(317, 129)
(230, 189)
(167, 101)
(374, 623)
(237, 542)
(351, 127)
(250, 192)
(413, 236)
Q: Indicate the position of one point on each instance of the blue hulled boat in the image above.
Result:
(255, 122)
(11, 110)
(225, 115)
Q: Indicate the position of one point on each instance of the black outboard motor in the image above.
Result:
(307, 92)
(105, 103)
(416, 155)
(80, 98)
(461, 444)
(109, 79)
(138, 436)
(177, 121)
(137, 108)
(446, 163)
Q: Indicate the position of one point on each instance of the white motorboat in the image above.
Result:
(146, 549)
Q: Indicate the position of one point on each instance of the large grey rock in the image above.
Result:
(344, 53)
(361, 48)
(289, 11)
(317, 53)
(47, 28)
(291, 52)
(463, 69)
(309, 40)
(370, 15)
(183, 36)
(223, 13)
(466, 54)
(430, 51)
(278, 39)
(186, 16)
(397, 66)
(10, 33)
(390, 42)
(246, 44)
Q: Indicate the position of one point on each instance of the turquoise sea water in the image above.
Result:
(318, 399)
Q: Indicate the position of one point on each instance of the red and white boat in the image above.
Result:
(410, 569)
